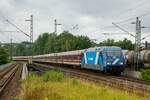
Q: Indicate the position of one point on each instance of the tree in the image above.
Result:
(108, 42)
(125, 44)
(39, 44)
(50, 45)
(4, 56)
(66, 41)
(83, 42)
(21, 49)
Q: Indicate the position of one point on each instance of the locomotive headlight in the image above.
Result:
(121, 63)
(108, 63)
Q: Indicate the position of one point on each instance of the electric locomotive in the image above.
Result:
(105, 59)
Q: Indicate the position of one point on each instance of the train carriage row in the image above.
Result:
(87, 58)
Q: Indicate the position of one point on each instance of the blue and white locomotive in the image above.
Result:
(105, 59)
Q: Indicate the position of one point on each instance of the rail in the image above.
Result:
(7, 76)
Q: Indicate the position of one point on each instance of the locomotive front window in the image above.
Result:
(113, 53)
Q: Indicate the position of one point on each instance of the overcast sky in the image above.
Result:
(93, 17)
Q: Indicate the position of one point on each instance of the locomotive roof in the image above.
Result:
(104, 48)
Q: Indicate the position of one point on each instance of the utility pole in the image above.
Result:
(11, 44)
(31, 36)
(137, 43)
(31, 31)
(11, 49)
(55, 26)
(137, 47)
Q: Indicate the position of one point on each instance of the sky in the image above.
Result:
(92, 18)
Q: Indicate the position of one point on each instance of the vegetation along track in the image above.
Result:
(127, 84)
(6, 79)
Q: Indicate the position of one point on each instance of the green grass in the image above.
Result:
(53, 76)
(145, 74)
(63, 88)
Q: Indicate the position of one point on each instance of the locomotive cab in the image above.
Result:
(114, 59)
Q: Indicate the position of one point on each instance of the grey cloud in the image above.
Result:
(90, 15)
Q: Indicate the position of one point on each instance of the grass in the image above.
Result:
(53, 76)
(145, 74)
(63, 88)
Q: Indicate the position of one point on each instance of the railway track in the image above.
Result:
(7, 76)
(6, 70)
(123, 83)
(146, 82)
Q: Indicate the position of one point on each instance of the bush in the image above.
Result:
(53, 76)
(145, 74)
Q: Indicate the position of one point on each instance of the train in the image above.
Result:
(105, 59)
(144, 61)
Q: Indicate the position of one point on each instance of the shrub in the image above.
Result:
(145, 74)
(53, 76)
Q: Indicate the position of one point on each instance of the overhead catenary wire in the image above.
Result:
(2, 31)
(144, 15)
(141, 3)
(141, 16)
(133, 8)
(128, 32)
(10, 36)
(15, 26)
(132, 18)
(8, 31)
(123, 29)
(4, 41)
(145, 37)
(126, 20)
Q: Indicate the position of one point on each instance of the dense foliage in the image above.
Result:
(4, 56)
(49, 43)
